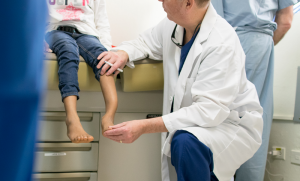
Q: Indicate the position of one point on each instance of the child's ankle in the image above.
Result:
(109, 115)
(72, 118)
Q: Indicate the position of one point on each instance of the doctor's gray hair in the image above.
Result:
(201, 3)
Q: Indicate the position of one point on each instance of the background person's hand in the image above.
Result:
(118, 59)
(126, 132)
(46, 47)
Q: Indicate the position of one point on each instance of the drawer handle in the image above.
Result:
(63, 147)
(61, 116)
(62, 176)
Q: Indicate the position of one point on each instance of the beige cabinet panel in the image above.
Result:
(139, 161)
(146, 76)
(80, 176)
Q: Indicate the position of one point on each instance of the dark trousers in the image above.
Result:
(192, 159)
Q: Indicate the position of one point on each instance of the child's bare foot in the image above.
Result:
(107, 121)
(75, 131)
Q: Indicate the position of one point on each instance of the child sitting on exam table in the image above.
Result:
(80, 27)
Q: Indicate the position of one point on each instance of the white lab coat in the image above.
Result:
(213, 99)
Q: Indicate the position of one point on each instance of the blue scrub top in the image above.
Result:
(251, 15)
(185, 50)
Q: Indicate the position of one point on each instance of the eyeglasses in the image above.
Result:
(173, 38)
(173, 35)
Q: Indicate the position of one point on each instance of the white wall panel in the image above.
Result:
(128, 18)
(287, 59)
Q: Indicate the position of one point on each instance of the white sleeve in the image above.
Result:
(215, 87)
(102, 23)
(148, 45)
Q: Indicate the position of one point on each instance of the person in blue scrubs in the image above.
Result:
(21, 49)
(258, 33)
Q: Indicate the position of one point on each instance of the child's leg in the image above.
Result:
(90, 48)
(66, 49)
(75, 131)
(109, 92)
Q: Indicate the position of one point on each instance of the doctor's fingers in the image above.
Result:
(103, 54)
(118, 141)
(116, 132)
(118, 125)
(111, 58)
(117, 63)
(116, 138)
(121, 139)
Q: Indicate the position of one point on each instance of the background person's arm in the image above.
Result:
(283, 19)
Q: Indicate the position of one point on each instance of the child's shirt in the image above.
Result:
(88, 16)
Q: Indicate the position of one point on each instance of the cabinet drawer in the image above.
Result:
(84, 176)
(53, 127)
(66, 157)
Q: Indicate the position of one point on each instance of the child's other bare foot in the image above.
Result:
(75, 131)
(107, 121)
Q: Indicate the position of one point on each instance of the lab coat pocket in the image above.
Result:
(187, 97)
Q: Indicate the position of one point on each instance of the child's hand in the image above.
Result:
(46, 47)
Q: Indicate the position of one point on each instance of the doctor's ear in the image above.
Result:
(189, 3)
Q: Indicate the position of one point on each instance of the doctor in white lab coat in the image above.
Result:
(210, 98)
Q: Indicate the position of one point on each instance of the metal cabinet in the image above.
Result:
(57, 159)
(66, 157)
(53, 127)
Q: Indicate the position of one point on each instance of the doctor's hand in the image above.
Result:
(126, 132)
(118, 59)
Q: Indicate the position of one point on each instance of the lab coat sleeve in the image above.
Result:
(148, 45)
(215, 87)
(286, 3)
(102, 23)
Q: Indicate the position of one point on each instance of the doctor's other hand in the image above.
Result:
(126, 132)
(118, 59)
(46, 47)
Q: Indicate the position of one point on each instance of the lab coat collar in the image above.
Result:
(205, 29)
(208, 23)
(196, 49)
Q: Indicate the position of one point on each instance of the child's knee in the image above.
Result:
(66, 45)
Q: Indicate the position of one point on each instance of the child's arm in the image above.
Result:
(102, 23)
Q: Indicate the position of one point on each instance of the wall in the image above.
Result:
(129, 18)
(287, 59)
(284, 132)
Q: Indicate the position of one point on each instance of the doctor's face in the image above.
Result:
(174, 9)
